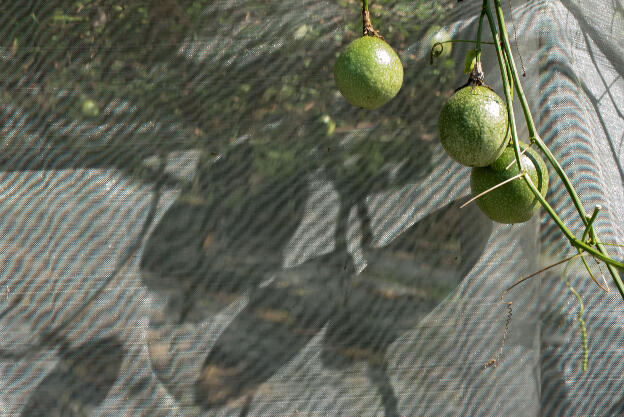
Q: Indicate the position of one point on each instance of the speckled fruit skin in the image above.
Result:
(368, 72)
(473, 126)
(513, 202)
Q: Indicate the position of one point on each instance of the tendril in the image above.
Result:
(438, 47)
(436, 51)
(579, 318)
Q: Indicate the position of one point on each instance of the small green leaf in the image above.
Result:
(471, 59)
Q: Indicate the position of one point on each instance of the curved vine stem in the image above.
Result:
(435, 52)
(601, 252)
(502, 64)
(510, 77)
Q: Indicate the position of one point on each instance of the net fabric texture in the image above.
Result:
(194, 222)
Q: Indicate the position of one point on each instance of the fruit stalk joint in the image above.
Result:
(367, 25)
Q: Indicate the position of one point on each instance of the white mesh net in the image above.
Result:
(195, 222)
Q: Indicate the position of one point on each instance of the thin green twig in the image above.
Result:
(520, 281)
(613, 244)
(591, 221)
(574, 241)
(579, 318)
(589, 230)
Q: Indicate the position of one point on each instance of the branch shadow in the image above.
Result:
(276, 324)
(363, 313)
(223, 236)
(403, 282)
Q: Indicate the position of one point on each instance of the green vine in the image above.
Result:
(511, 79)
(588, 244)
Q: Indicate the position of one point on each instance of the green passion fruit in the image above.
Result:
(473, 126)
(368, 72)
(513, 202)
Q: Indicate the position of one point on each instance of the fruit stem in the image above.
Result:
(367, 25)
(540, 143)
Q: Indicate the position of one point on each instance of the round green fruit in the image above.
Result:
(368, 72)
(473, 126)
(90, 108)
(513, 202)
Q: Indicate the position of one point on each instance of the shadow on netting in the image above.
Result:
(362, 314)
(79, 382)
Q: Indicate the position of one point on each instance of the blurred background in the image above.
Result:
(194, 222)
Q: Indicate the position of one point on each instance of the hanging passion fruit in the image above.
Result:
(473, 126)
(513, 202)
(368, 72)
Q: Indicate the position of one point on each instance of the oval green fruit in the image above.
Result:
(473, 126)
(368, 72)
(513, 202)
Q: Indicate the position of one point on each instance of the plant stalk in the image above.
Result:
(573, 240)
(506, 87)
(540, 143)
(508, 69)
(479, 30)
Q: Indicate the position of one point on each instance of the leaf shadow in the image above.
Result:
(402, 283)
(363, 313)
(79, 382)
(277, 323)
(223, 236)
